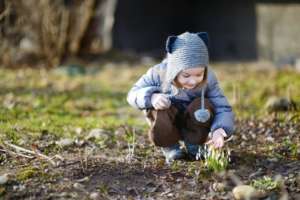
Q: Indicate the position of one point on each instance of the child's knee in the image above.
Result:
(167, 115)
(163, 131)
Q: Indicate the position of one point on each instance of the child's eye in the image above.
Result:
(185, 75)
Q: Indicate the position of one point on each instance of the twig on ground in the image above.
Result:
(16, 154)
(19, 148)
(35, 153)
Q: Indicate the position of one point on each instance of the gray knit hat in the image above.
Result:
(185, 51)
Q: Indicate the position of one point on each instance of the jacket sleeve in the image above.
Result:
(139, 96)
(224, 116)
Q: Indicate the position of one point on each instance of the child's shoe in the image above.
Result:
(195, 151)
(173, 153)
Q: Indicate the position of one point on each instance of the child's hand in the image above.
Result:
(217, 139)
(160, 101)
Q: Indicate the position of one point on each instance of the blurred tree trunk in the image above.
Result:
(49, 30)
(80, 25)
(99, 37)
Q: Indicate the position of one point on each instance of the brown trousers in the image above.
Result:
(169, 126)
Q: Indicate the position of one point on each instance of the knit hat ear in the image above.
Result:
(169, 44)
(185, 51)
(204, 37)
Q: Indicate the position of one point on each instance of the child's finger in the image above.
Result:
(209, 142)
(157, 106)
(160, 105)
(165, 100)
(222, 143)
(165, 96)
(166, 103)
(219, 144)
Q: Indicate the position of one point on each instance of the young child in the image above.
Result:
(182, 99)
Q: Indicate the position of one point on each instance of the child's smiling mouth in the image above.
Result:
(189, 87)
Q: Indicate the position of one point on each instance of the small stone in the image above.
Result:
(94, 195)
(218, 187)
(64, 194)
(83, 179)
(65, 142)
(246, 192)
(244, 137)
(97, 134)
(78, 130)
(4, 178)
(170, 195)
(270, 139)
(78, 186)
(79, 142)
(273, 159)
(253, 136)
(243, 144)
(275, 104)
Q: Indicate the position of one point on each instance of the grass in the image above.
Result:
(292, 147)
(27, 173)
(37, 101)
(249, 90)
(216, 160)
(266, 184)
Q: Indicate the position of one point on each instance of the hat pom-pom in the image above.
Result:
(202, 115)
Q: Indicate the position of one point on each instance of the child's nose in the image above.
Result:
(192, 81)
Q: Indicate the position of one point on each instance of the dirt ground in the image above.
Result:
(90, 173)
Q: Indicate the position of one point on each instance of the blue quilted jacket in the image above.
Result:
(139, 95)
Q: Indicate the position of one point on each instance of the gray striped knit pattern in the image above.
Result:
(188, 51)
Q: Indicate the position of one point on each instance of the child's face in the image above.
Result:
(190, 78)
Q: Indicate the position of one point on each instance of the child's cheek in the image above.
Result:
(197, 80)
(201, 79)
(182, 81)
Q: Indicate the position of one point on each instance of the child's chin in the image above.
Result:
(190, 88)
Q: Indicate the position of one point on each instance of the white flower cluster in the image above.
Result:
(214, 159)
